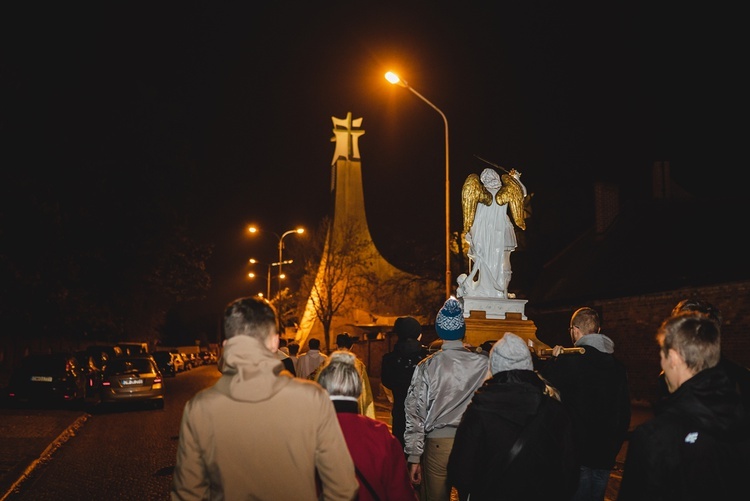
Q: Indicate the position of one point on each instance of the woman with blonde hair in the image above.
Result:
(378, 457)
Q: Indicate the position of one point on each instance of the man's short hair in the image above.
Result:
(344, 340)
(250, 316)
(293, 348)
(695, 336)
(586, 319)
(314, 343)
(700, 306)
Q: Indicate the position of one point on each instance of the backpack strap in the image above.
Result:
(366, 484)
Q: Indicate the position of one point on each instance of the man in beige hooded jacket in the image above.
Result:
(236, 437)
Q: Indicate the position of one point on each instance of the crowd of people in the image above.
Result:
(500, 422)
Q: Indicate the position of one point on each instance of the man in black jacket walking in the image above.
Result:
(515, 440)
(398, 366)
(593, 387)
(697, 447)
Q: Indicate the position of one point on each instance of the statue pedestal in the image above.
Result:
(493, 307)
(480, 328)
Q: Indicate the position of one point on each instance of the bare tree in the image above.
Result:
(338, 271)
(286, 307)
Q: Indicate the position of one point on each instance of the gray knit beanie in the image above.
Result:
(509, 353)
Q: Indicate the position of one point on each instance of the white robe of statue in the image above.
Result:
(491, 240)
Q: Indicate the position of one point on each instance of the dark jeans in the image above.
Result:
(592, 485)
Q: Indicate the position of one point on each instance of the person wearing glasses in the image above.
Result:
(593, 387)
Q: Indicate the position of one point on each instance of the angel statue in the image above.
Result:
(489, 231)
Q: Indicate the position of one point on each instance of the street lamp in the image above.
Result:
(281, 249)
(252, 275)
(300, 230)
(394, 79)
(268, 280)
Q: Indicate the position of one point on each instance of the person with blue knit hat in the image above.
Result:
(450, 324)
(441, 388)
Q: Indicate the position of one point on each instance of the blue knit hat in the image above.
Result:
(449, 323)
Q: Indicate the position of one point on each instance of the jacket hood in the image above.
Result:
(250, 371)
(515, 395)
(598, 341)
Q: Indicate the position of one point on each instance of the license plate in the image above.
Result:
(131, 382)
(45, 379)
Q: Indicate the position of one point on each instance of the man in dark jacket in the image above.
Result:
(697, 446)
(515, 441)
(739, 375)
(593, 387)
(398, 366)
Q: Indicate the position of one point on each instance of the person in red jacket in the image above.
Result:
(378, 457)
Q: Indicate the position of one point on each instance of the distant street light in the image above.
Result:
(300, 230)
(270, 265)
(394, 79)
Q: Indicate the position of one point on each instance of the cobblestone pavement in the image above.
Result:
(639, 415)
(28, 437)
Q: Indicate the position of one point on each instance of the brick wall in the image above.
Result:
(632, 323)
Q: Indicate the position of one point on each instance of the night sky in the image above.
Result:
(96, 99)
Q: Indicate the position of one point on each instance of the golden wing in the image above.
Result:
(472, 193)
(511, 193)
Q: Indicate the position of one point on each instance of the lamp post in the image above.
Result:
(281, 250)
(268, 280)
(253, 275)
(300, 230)
(394, 79)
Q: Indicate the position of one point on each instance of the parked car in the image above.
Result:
(165, 362)
(195, 360)
(48, 379)
(92, 366)
(189, 363)
(207, 357)
(132, 348)
(178, 361)
(101, 353)
(133, 379)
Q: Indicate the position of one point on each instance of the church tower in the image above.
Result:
(350, 221)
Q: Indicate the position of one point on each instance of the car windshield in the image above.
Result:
(119, 366)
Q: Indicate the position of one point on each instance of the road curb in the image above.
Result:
(69, 432)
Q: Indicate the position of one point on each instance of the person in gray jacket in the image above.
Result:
(441, 388)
